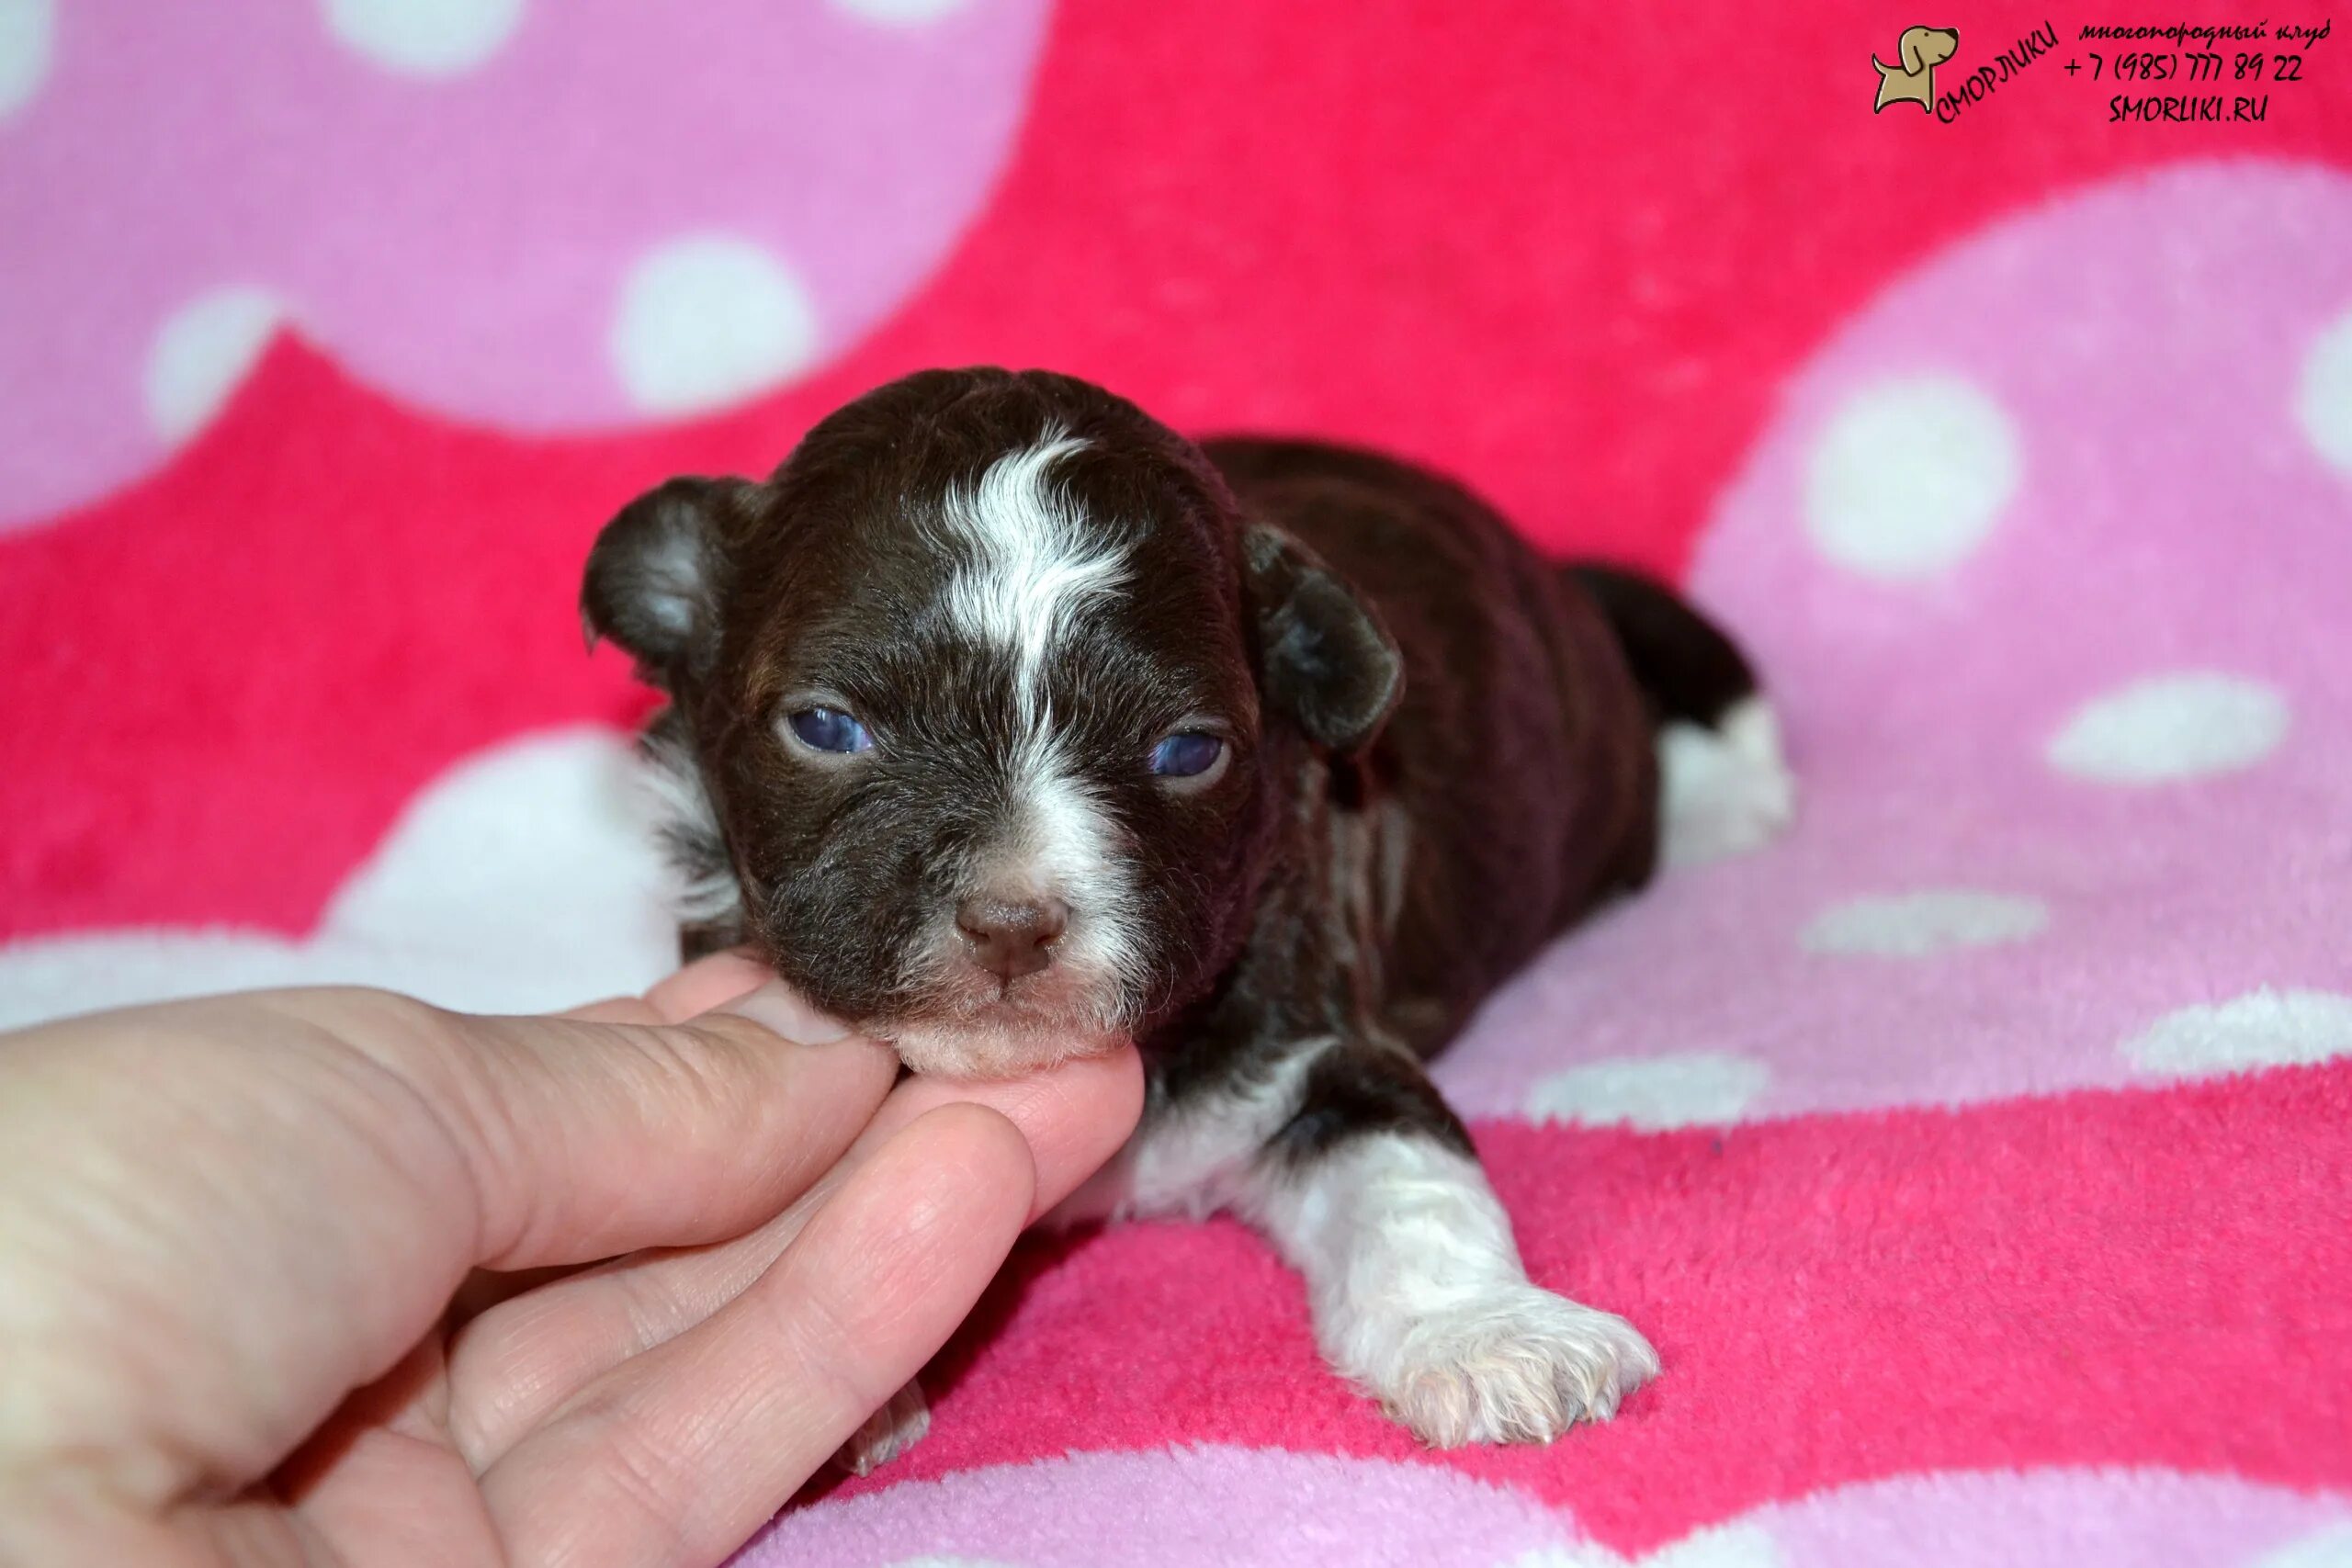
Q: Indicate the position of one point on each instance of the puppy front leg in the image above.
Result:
(1371, 1191)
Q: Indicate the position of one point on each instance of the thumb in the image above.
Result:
(581, 1139)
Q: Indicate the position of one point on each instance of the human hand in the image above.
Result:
(231, 1231)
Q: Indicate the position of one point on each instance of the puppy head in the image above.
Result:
(987, 699)
(1924, 47)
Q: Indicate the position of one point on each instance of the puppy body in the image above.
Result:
(1434, 752)
(1513, 785)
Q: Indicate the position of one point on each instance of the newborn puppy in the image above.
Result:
(1010, 724)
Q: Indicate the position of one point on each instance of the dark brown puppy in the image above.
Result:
(1009, 723)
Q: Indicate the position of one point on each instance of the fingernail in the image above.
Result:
(776, 1006)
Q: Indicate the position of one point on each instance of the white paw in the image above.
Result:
(888, 1433)
(1516, 1365)
(1725, 790)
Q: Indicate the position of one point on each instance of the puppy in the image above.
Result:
(1009, 724)
(1921, 49)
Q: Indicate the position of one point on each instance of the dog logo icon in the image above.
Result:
(1913, 81)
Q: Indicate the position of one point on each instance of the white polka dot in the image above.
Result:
(1912, 925)
(2324, 401)
(28, 39)
(2330, 1546)
(707, 320)
(1680, 1089)
(2165, 728)
(201, 355)
(1725, 1546)
(525, 878)
(1583, 1555)
(2261, 1028)
(425, 38)
(900, 13)
(1909, 476)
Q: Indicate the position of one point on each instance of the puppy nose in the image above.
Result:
(1011, 937)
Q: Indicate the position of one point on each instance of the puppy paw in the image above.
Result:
(888, 1433)
(1519, 1365)
(1726, 789)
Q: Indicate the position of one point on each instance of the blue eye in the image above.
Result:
(829, 730)
(1186, 755)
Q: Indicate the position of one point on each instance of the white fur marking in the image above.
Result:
(1034, 571)
(1726, 789)
(1418, 1295)
(1027, 568)
(673, 589)
(1068, 844)
(1194, 1160)
(1058, 841)
(703, 896)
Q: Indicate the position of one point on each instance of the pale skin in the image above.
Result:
(244, 1317)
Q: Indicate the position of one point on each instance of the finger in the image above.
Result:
(706, 982)
(518, 1361)
(1075, 1117)
(583, 1140)
(700, 986)
(447, 1143)
(616, 1010)
(678, 1455)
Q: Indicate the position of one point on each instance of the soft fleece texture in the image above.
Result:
(1975, 1155)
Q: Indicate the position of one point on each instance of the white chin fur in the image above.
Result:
(1726, 789)
(989, 1048)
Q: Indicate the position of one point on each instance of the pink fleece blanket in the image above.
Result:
(1978, 1156)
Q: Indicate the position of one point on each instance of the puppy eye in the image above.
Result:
(1186, 755)
(829, 729)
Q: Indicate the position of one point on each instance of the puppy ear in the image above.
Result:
(1915, 49)
(656, 573)
(1330, 664)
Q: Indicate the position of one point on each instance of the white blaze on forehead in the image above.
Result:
(1033, 568)
(1028, 566)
